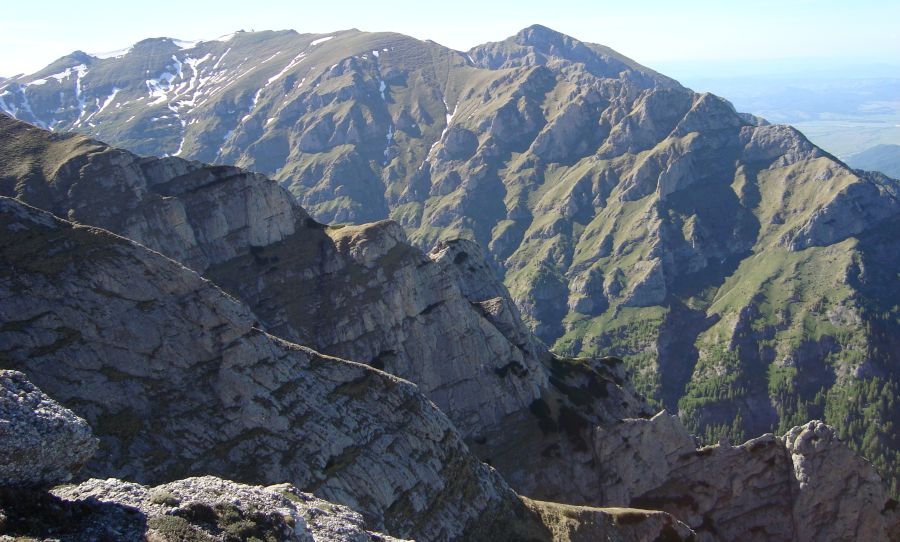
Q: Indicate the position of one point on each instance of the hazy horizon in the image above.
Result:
(700, 37)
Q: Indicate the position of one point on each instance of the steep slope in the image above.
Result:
(881, 158)
(717, 254)
(442, 321)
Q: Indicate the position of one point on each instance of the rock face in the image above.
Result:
(837, 495)
(631, 216)
(441, 320)
(358, 292)
(41, 443)
(806, 485)
(637, 455)
(176, 381)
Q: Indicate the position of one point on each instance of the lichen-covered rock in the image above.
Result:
(204, 509)
(41, 442)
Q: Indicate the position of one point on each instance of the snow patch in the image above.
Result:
(221, 58)
(80, 71)
(118, 53)
(184, 44)
(160, 87)
(271, 57)
(252, 106)
(449, 117)
(296, 60)
(390, 138)
(375, 54)
(224, 37)
(104, 105)
(13, 109)
(224, 140)
(320, 40)
(381, 88)
(6, 109)
(177, 66)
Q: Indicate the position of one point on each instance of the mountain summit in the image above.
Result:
(539, 45)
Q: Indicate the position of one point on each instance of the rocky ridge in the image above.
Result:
(182, 409)
(442, 320)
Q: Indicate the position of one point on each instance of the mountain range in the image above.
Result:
(746, 277)
(181, 381)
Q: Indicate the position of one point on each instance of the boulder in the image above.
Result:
(41, 442)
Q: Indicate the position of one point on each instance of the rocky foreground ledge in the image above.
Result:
(43, 444)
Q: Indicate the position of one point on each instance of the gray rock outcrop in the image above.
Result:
(837, 494)
(209, 508)
(804, 486)
(637, 455)
(204, 509)
(41, 443)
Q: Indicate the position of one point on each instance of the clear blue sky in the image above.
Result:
(655, 32)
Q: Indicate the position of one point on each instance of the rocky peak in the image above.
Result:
(539, 45)
(549, 41)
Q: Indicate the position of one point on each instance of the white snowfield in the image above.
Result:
(321, 40)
